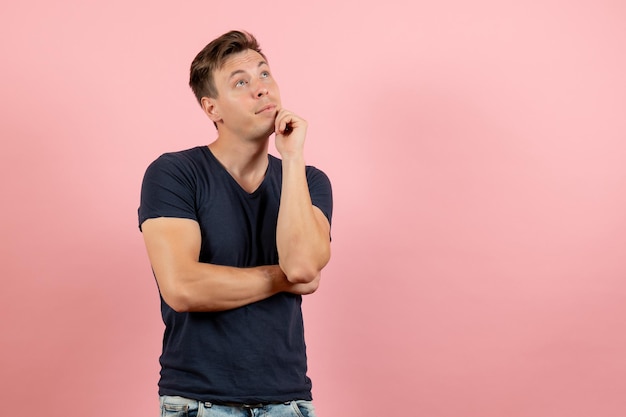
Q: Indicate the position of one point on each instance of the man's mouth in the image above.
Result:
(268, 107)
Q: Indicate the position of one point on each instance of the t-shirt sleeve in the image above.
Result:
(321, 191)
(168, 190)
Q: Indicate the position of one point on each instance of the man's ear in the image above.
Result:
(210, 108)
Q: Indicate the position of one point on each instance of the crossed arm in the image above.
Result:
(173, 246)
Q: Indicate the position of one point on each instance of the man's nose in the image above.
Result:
(260, 88)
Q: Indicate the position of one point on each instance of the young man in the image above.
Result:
(235, 237)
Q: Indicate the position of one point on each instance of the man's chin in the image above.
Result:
(269, 130)
(263, 134)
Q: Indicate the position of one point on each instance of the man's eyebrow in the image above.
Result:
(239, 71)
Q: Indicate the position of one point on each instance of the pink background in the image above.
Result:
(478, 156)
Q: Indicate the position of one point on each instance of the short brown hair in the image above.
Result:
(213, 56)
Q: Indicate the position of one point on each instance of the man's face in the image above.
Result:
(248, 97)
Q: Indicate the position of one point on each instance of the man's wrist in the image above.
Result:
(276, 278)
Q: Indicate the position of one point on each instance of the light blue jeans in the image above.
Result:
(184, 407)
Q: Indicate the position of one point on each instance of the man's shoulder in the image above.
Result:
(183, 159)
(195, 153)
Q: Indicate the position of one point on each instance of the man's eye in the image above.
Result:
(265, 74)
(240, 83)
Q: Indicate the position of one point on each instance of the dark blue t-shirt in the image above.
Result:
(255, 353)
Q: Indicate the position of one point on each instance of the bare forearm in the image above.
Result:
(302, 237)
(206, 287)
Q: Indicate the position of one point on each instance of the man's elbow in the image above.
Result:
(182, 296)
(179, 296)
(301, 274)
(185, 304)
(178, 301)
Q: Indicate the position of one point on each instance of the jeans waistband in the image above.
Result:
(243, 405)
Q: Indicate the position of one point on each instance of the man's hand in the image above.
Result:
(290, 134)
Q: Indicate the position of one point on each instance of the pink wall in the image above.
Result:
(478, 156)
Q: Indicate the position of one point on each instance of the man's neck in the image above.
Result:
(245, 161)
